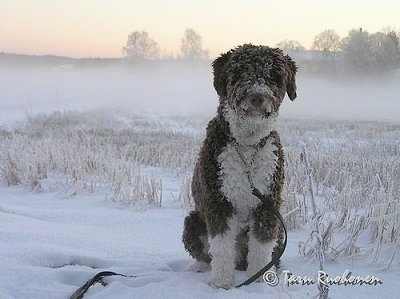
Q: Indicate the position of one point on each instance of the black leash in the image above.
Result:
(275, 259)
(97, 278)
(267, 201)
(264, 199)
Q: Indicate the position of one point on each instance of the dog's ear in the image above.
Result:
(291, 81)
(220, 74)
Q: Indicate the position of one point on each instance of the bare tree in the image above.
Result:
(371, 53)
(327, 43)
(141, 46)
(191, 46)
(291, 47)
(393, 34)
(357, 51)
(385, 50)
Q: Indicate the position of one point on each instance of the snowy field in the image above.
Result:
(95, 167)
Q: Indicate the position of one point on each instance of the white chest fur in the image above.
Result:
(235, 184)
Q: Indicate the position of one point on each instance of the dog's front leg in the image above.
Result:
(223, 256)
(260, 254)
(262, 240)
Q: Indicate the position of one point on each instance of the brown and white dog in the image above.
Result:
(230, 227)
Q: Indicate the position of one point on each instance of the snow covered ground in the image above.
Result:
(52, 241)
(52, 244)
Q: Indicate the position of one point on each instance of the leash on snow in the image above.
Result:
(99, 276)
(264, 199)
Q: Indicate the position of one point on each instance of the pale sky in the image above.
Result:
(99, 28)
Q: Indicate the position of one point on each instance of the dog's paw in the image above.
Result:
(199, 267)
(220, 283)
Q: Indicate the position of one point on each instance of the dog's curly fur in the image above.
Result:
(229, 227)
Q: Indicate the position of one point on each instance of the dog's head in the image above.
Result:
(252, 80)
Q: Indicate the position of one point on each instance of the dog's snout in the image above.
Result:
(257, 99)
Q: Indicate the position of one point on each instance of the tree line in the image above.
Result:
(140, 46)
(358, 52)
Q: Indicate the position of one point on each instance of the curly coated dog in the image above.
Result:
(230, 227)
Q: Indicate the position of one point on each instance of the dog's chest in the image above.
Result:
(261, 163)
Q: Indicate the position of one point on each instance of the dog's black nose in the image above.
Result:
(257, 99)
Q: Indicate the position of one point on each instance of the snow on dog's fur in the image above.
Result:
(230, 228)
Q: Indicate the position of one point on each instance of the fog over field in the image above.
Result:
(169, 88)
